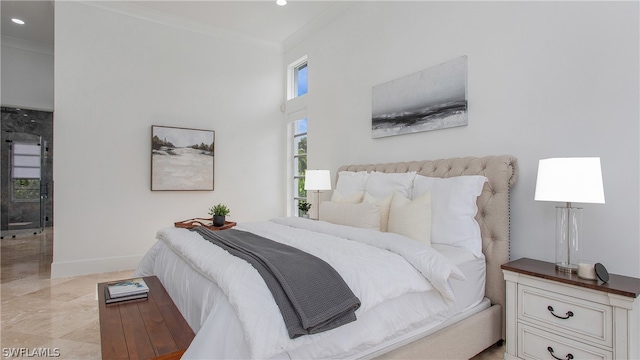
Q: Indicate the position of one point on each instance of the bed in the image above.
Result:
(210, 298)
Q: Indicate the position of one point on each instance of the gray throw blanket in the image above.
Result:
(311, 295)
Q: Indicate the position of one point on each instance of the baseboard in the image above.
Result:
(63, 269)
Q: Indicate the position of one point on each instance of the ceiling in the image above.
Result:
(38, 17)
(260, 20)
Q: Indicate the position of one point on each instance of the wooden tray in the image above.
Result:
(206, 222)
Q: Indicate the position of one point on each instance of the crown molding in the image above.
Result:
(129, 8)
(27, 45)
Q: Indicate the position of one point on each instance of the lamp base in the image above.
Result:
(567, 268)
(568, 226)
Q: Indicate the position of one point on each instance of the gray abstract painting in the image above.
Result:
(432, 99)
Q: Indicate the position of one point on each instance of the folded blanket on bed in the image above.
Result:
(310, 294)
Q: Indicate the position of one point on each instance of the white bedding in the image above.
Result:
(227, 304)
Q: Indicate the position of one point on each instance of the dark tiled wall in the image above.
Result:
(21, 125)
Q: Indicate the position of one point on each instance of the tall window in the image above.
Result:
(25, 171)
(296, 107)
(299, 159)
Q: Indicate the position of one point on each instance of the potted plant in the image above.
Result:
(219, 213)
(304, 206)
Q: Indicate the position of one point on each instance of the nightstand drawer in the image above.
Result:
(534, 343)
(564, 314)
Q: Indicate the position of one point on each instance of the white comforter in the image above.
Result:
(378, 267)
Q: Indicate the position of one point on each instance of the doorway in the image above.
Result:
(26, 143)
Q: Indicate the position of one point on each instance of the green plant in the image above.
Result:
(304, 206)
(219, 210)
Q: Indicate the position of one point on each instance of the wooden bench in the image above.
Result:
(143, 329)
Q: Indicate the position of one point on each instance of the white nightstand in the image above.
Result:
(552, 314)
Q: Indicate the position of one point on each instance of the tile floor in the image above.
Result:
(39, 312)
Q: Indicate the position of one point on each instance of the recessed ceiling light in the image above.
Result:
(281, 2)
(17, 21)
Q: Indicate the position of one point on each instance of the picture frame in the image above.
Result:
(182, 159)
(431, 99)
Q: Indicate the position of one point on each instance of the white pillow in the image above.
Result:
(350, 182)
(363, 215)
(384, 204)
(411, 218)
(453, 209)
(354, 198)
(380, 185)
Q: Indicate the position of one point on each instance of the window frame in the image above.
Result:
(294, 108)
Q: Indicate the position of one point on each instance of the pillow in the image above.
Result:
(453, 209)
(380, 185)
(384, 204)
(350, 182)
(363, 215)
(354, 198)
(411, 218)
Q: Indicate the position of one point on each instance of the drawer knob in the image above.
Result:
(568, 315)
(568, 357)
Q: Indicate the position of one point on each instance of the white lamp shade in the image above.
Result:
(570, 180)
(317, 180)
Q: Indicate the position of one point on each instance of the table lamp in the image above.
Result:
(569, 180)
(317, 180)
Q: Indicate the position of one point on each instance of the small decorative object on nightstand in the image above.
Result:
(554, 314)
(587, 270)
(219, 213)
(601, 272)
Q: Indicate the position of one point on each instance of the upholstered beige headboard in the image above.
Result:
(493, 204)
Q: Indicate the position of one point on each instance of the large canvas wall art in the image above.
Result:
(181, 159)
(435, 98)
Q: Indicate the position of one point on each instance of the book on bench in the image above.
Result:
(127, 287)
(111, 300)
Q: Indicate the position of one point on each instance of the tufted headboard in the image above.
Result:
(493, 204)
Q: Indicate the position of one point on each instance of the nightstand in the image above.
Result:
(551, 314)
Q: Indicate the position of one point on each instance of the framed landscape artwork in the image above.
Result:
(432, 99)
(181, 159)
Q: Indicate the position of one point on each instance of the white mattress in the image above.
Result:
(470, 300)
(198, 298)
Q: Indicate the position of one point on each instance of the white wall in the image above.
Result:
(546, 79)
(27, 74)
(116, 75)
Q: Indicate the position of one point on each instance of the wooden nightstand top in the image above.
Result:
(618, 284)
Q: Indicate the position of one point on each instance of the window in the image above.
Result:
(25, 171)
(301, 79)
(297, 78)
(296, 118)
(299, 159)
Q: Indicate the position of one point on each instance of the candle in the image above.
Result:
(586, 270)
